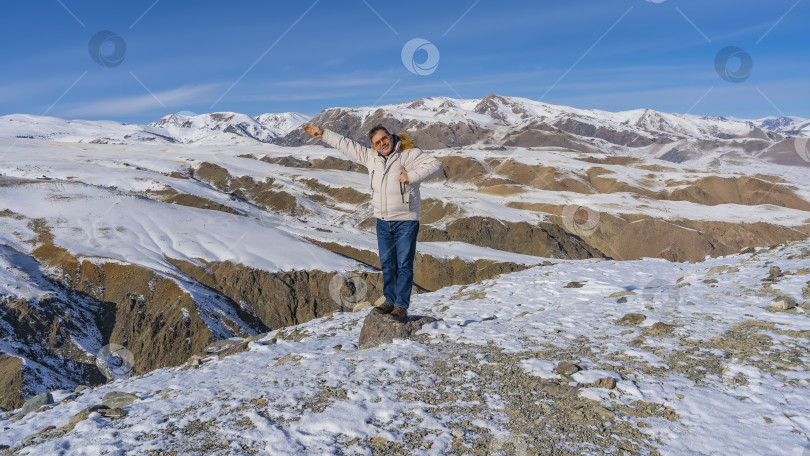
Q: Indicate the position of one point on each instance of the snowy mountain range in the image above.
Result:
(440, 121)
(212, 128)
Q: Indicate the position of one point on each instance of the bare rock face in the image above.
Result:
(379, 328)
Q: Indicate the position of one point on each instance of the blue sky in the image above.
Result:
(275, 56)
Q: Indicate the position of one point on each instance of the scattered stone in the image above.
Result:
(36, 402)
(46, 429)
(620, 294)
(631, 319)
(234, 349)
(117, 399)
(379, 328)
(113, 413)
(716, 270)
(748, 250)
(605, 382)
(566, 368)
(338, 347)
(378, 441)
(603, 413)
(574, 285)
(773, 273)
(69, 397)
(223, 344)
(783, 303)
(28, 440)
(621, 300)
(361, 306)
(285, 359)
(81, 416)
(457, 433)
(557, 390)
(661, 327)
(80, 388)
(637, 341)
(806, 291)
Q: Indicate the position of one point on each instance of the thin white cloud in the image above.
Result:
(137, 104)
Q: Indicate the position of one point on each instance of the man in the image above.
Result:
(396, 168)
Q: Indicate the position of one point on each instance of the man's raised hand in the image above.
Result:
(312, 130)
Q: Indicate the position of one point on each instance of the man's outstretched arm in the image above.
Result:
(354, 150)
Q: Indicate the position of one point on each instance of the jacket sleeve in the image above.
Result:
(422, 167)
(352, 149)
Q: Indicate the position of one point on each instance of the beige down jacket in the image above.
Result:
(391, 200)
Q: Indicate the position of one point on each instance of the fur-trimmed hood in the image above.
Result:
(406, 141)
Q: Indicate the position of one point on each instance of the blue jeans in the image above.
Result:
(397, 244)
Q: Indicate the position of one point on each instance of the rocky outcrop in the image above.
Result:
(278, 299)
(543, 240)
(12, 382)
(380, 329)
(264, 194)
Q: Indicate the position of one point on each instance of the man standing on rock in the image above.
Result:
(396, 168)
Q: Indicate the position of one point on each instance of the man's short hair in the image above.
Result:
(377, 128)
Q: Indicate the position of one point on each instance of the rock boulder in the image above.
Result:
(380, 328)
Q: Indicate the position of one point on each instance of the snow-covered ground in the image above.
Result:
(728, 377)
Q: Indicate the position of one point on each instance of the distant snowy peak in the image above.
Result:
(26, 126)
(190, 129)
(792, 126)
(283, 123)
(219, 125)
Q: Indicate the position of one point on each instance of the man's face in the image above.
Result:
(382, 142)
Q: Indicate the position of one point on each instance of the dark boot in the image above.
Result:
(399, 314)
(384, 308)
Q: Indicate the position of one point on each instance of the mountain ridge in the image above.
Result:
(494, 119)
